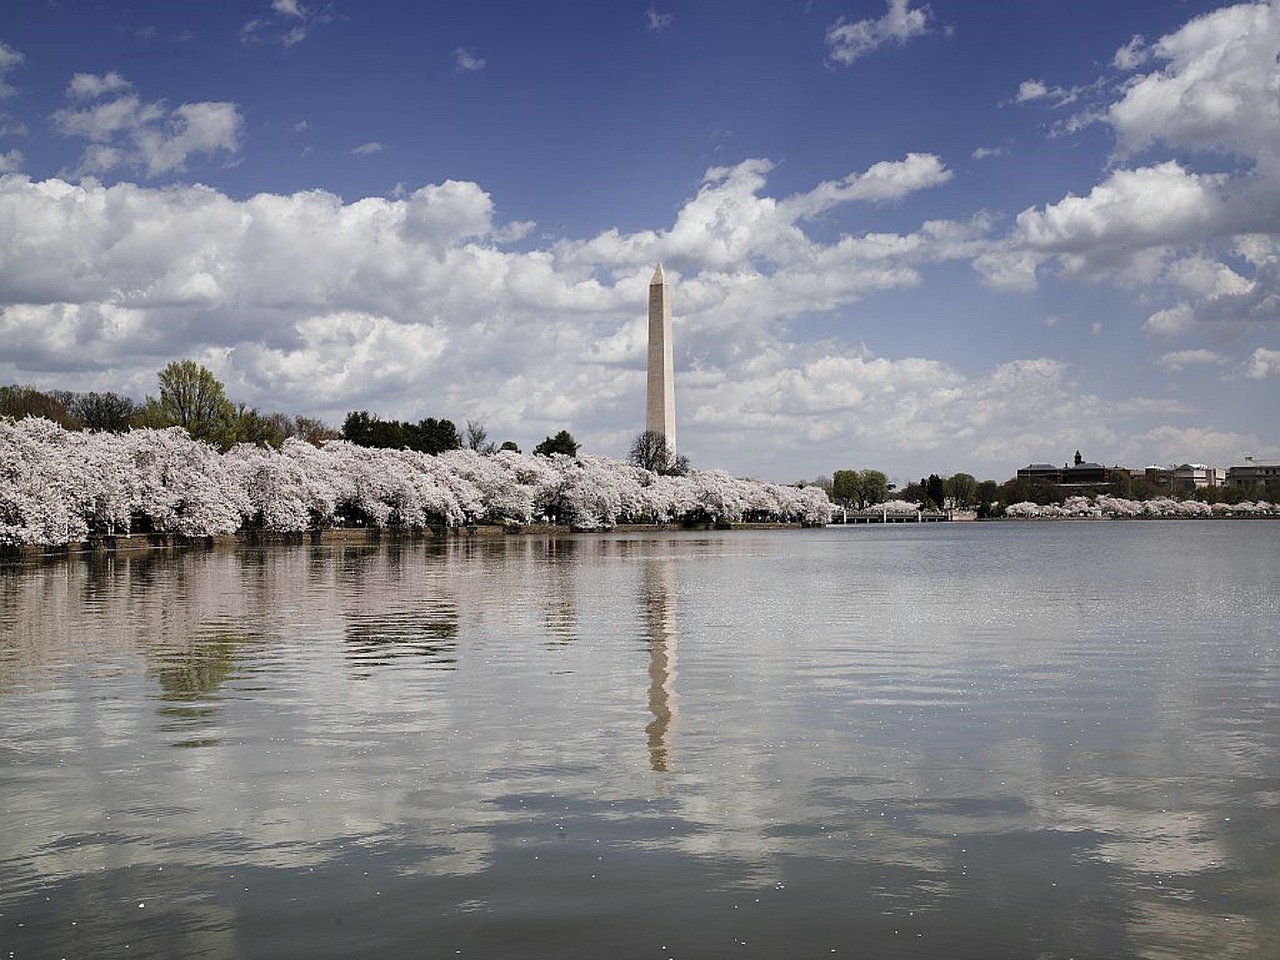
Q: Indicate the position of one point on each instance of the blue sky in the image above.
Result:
(916, 237)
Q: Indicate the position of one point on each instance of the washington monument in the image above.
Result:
(660, 398)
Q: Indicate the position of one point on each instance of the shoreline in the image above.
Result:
(144, 542)
(138, 543)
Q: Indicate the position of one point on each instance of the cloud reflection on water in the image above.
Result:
(940, 752)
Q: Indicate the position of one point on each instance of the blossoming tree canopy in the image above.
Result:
(59, 486)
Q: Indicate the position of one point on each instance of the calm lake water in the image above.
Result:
(1036, 740)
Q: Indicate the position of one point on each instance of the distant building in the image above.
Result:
(1041, 473)
(1080, 475)
(1084, 473)
(1253, 473)
(1195, 476)
(1184, 478)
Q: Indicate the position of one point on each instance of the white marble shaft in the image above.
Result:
(660, 398)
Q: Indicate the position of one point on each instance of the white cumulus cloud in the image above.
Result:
(418, 304)
(320, 305)
(849, 42)
(1179, 360)
(467, 61)
(1132, 209)
(89, 86)
(1201, 237)
(9, 59)
(1133, 54)
(883, 181)
(1030, 91)
(1171, 321)
(1216, 90)
(1262, 364)
(289, 23)
(124, 130)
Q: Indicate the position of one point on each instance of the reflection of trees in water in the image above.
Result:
(660, 627)
(190, 675)
(428, 632)
(100, 574)
(355, 562)
(380, 560)
(174, 911)
(393, 608)
(60, 610)
(560, 603)
(196, 672)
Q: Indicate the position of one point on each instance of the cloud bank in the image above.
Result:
(429, 303)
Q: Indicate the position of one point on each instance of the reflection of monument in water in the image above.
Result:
(660, 628)
(660, 394)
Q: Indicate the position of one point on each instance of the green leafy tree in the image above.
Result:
(192, 398)
(250, 426)
(915, 491)
(1235, 495)
(846, 487)
(562, 442)
(860, 488)
(510, 445)
(1207, 494)
(962, 488)
(1121, 484)
(1023, 491)
(875, 487)
(1013, 491)
(1140, 488)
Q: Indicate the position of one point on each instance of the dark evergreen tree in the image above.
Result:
(562, 442)
(935, 489)
(426, 436)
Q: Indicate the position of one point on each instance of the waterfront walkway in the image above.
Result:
(879, 515)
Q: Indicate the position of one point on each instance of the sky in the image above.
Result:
(915, 237)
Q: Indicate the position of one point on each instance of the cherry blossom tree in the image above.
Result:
(59, 486)
(181, 485)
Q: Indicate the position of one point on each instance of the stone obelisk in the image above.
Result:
(660, 398)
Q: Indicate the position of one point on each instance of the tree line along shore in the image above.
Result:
(79, 468)
(61, 486)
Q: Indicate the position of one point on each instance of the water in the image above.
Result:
(997, 740)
